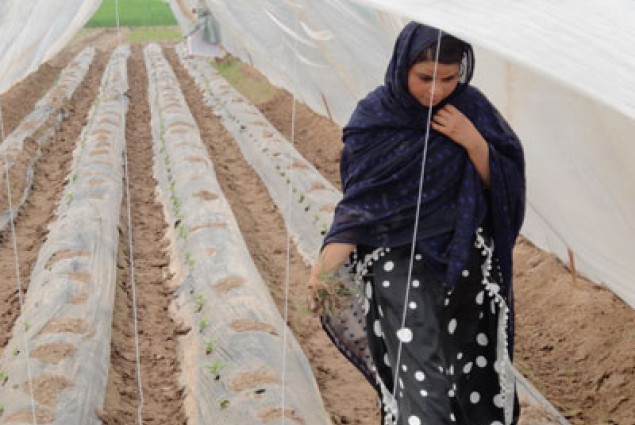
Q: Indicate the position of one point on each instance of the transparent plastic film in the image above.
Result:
(67, 315)
(232, 356)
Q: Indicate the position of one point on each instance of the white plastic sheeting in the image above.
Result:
(41, 123)
(67, 314)
(33, 31)
(281, 167)
(232, 358)
(561, 72)
(277, 163)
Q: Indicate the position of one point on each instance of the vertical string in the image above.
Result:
(133, 283)
(287, 270)
(16, 259)
(416, 226)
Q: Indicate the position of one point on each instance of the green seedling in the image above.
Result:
(203, 324)
(189, 260)
(27, 326)
(224, 404)
(1, 409)
(69, 198)
(200, 301)
(301, 199)
(4, 377)
(15, 352)
(182, 233)
(74, 177)
(343, 291)
(216, 368)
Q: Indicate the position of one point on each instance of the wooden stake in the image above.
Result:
(574, 274)
(326, 105)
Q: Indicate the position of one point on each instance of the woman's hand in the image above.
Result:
(320, 289)
(322, 284)
(451, 122)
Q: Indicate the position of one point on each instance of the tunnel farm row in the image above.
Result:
(23, 143)
(231, 357)
(60, 345)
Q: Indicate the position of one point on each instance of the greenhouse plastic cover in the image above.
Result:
(561, 72)
(33, 31)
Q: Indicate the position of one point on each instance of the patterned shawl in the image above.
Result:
(381, 166)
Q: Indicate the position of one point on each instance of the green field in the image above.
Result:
(253, 86)
(149, 34)
(133, 13)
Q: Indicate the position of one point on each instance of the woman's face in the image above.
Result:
(420, 79)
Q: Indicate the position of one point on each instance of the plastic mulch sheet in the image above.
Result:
(67, 316)
(41, 123)
(232, 358)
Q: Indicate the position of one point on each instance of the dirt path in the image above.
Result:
(39, 209)
(157, 332)
(265, 234)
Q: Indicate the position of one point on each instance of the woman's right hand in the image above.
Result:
(318, 294)
(322, 282)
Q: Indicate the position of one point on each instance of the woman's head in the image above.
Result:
(412, 67)
(446, 62)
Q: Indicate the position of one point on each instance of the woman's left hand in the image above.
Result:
(452, 123)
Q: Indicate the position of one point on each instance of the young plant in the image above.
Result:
(189, 260)
(182, 233)
(203, 324)
(1, 409)
(200, 301)
(209, 346)
(216, 368)
(224, 404)
(4, 377)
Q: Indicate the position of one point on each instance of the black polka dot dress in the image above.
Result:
(436, 356)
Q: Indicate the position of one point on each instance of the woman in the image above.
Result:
(424, 304)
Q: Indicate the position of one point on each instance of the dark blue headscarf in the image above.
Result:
(381, 166)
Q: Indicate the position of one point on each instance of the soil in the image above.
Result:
(160, 370)
(575, 341)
